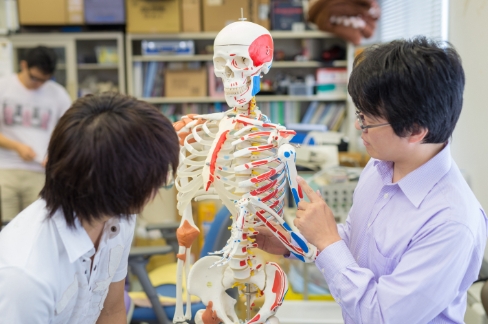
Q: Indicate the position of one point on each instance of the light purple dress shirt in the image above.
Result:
(409, 250)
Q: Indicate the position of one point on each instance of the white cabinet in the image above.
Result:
(87, 62)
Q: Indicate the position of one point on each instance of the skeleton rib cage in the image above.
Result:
(244, 160)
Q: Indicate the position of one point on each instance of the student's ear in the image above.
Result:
(418, 134)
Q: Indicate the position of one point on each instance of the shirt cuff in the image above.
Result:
(334, 259)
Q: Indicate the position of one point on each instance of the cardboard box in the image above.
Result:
(284, 13)
(186, 83)
(105, 11)
(219, 13)
(52, 12)
(153, 16)
(261, 12)
(191, 16)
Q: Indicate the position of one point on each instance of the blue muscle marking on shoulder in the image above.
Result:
(299, 257)
(287, 154)
(300, 242)
(286, 226)
(256, 84)
(295, 194)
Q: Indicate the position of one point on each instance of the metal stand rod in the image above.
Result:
(248, 302)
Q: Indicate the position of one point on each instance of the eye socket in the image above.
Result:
(219, 63)
(241, 62)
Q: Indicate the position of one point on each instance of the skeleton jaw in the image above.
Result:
(237, 91)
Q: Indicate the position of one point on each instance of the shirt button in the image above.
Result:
(369, 224)
(94, 268)
(86, 271)
(385, 195)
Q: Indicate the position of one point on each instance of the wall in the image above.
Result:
(468, 26)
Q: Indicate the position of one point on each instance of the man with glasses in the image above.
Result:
(414, 238)
(31, 104)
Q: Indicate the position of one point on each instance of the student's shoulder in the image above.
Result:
(457, 201)
(27, 237)
(57, 90)
(6, 80)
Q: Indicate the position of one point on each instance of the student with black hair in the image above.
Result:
(64, 258)
(414, 238)
(31, 104)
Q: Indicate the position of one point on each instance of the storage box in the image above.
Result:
(284, 13)
(331, 75)
(52, 12)
(160, 47)
(219, 13)
(261, 12)
(153, 16)
(191, 16)
(332, 89)
(186, 83)
(300, 89)
(105, 11)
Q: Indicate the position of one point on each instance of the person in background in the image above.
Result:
(64, 258)
(31, 104)
(414, 238)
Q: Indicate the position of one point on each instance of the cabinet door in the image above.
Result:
(65, 73)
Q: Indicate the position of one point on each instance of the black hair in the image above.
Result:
(43, 58)
(108, 156)
(411, 83)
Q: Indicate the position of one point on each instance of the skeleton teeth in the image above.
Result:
(235, 91)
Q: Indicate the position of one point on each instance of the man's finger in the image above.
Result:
(302, 205)
(312, 195)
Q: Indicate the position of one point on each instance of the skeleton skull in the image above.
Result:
(242, 51)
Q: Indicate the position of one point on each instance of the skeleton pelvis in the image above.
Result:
(210, 284)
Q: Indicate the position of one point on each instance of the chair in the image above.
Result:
(215, 239)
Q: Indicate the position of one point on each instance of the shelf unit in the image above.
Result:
(74, 50)
(134, 54)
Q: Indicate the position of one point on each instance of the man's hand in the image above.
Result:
(269, 243)
(25, 152)
(315, 219)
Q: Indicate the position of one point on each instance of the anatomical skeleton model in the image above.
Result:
(243, 159)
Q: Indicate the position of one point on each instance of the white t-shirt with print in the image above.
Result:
(29, 117)
(45, 267)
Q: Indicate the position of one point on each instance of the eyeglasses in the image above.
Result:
(36, 79)
(364, 128)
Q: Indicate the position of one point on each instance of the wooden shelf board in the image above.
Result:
(97, 66)
(263, 98)
(276, 34)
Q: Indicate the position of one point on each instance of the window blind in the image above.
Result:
(408, 18)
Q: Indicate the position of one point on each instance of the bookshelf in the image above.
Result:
(87, 62)
(289, 43)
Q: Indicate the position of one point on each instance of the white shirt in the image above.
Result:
(45, 267)
(29, 117)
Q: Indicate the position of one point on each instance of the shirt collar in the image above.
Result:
(418, 183)
(76, 241)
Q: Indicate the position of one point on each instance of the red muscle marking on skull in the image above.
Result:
(261, 50)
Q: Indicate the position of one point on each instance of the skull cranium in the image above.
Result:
(242, 52)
